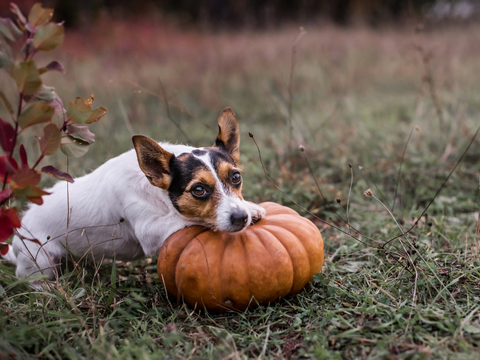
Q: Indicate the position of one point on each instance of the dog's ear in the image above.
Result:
(153, 160)
(228, 136)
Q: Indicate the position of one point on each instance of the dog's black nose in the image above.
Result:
(239, 219)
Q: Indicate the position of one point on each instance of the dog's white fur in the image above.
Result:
(134, 219)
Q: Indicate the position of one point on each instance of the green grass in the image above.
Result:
(357, 95)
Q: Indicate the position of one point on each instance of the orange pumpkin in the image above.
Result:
(271, 259)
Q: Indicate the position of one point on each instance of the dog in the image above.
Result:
(129, 206)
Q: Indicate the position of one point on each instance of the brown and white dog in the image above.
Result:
(130, 205)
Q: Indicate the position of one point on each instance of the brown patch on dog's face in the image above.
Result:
(231, 178)
(199, 200)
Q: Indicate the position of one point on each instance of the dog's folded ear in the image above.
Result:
(153, 160)
(228, 135)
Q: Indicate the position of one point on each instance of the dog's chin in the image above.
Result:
(215, 227)
(236, 231)
(229, 229)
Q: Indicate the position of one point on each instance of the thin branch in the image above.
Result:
(318, 187)
(301, 207)
(438, 191)
(400, 169)
(168, 112)
(290, 80)
(349, 192)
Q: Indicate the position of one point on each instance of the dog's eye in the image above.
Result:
(236, 178)
(198, 191)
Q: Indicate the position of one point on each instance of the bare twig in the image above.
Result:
(428, 79)
(168, 112)
(400, 169)
(438, 191)
(318, 187)
(349, 192)
(290, 81)
(301, 207)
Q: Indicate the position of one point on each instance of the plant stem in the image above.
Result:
(14, 143)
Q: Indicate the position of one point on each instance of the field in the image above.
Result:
(391, 110)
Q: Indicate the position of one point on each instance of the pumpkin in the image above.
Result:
(269, 260)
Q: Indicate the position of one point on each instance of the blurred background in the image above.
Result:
(351, 80)
(260, 14)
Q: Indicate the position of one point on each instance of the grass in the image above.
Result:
(355, 97)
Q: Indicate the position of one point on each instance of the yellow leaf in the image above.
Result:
(39, 15)
(26, 76)
(48, 37)
(35, 113)
(96, 115)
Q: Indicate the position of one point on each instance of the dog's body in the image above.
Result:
(130, 205)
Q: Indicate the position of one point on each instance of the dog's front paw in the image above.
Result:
(257, 212)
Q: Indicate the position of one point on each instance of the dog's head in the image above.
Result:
(204, 185)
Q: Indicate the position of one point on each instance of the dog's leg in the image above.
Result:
(32, 259)
(256, 211)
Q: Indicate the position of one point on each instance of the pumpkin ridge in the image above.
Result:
(228, 239)
(244, 238)
(261, 233)
(295, 271)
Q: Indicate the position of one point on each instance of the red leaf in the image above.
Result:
(55, 65)
(5, 230)
(8, 221)
(35, 199)
(5, 194)
(26, 177)
(57, 173)
(7, 166)
(81, 133)
(32, 193)
(23, 156)
(7, 135)
(51, 139)
(11, 214)
(3, 249)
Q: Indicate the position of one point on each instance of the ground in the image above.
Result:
(391, 110)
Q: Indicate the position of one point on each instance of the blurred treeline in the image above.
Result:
(239, 13)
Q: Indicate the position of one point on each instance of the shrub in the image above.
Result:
(64, 129)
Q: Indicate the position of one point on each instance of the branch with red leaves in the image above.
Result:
(64, 129)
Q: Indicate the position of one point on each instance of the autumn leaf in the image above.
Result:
(32, 193)
(96, 115)
(46, 94)
(74, 147)
(81, 133)
(35, 113)
(14, 8)
(48, 37)
(80, 110)
(52, 66)
(8, 222)
(4, 195)
(57, 173)
(51, 139)
(27, 77)
(6, 102)
(7, 165)
(9, 30)
(3, 249)
(7, 135)
(23, 156)
(39, 16)
(25, 177)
